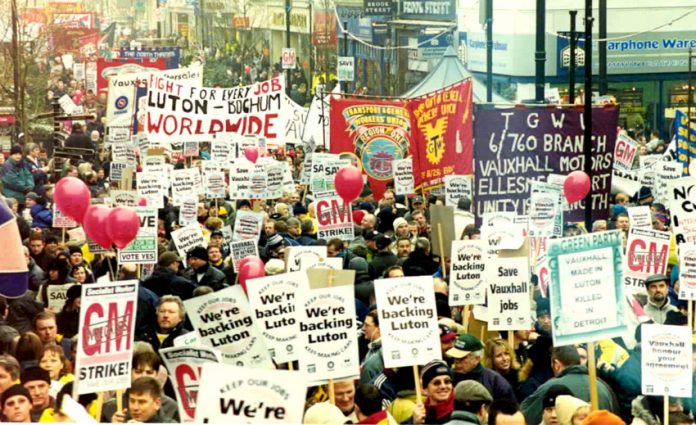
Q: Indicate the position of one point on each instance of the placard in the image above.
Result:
(624, 152)
(683, 209)
(242, 249)
(647, 251)
(184, 365)
(687, 271)
(665, 171)
(57, 295)
(457, 187)
(247, 226)
(508, 290)
(467, 280)
(151, 188)
(143, 250)
(403, 176)
(324, 169)
(289, 58)
(185, 182)
(230, 394)
(666, 360)
(586, 291)
(223, 319)
(214, 183)
(240, 179)
(188, 211)
(187, 238)
(124, 198)
(640, 217)
(273, 300)
(408, 321)
(346, 68)
(334, 218)
(62, 221)
(546, 209)
(105, 348)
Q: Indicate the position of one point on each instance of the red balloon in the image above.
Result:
(251, 153)
(253, 268)
(122, 226)
(358, 216)
(349, 183)
(142, 202)
(94, 224)
(72, 197)
(576, 186)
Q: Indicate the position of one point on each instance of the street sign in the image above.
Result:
(289, 58)
(346, 68)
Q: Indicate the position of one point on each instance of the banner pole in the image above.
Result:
(416, 380)
(511, 340)
(332, 389)
(111, 268)
(592, 372)
(62, 239)
(442, 251)
(691, 313)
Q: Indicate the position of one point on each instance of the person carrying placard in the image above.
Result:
(144, 402)
(436, 381)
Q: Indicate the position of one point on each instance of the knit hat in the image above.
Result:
(566, 407)
(602, 417)
(35, 373)
(324, 413)
(16, 389)
(371, 235)
(33, 196)
(398, 222)
(358, 264)
(553, 392)
(274, 241)
(15, 149)
(464, 345)
(644, 193)
(618, 209)
(434, 369)
(243, 203)
(299, 209)
(470, 390)
(367, 206)
(198, 252)
(74, 249)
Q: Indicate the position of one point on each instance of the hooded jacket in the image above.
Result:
(17, 180)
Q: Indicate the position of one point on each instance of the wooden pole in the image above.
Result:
(332, 388)
(416, 380)
(465, 317)
(119, 400)
(691, 313)
(592, 370)
(62, 239)
(665, 421)
(291, 366)
(484, 328)
(99, 405)
(511, 340)
(442, 251)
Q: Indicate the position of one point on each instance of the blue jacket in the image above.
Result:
(41, 217)
(498, 386)
(17, 180)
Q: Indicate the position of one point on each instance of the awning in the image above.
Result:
(421, 23)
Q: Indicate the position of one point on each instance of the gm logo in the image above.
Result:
(121, 103)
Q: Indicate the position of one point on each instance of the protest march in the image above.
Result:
(413, 260)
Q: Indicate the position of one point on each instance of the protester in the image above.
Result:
(505, 412)
(436, 381)
(16, 404)
(144, 403)
(471, 401)
(38, 382)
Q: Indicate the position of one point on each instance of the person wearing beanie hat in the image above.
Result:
(658, 304)
(605, 417)
(383, 258)
(571, 410)
(38, 382)
(68, 320)
(644, 196)
(275, 247)
(436, 381)
(16, 178)
(16, 404)
(550, 417)
(543, 313)
(274, 266)
(400, 228)
(200, 271)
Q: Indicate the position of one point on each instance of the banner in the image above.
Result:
(273, 300)
(170, 54)
(329, 343)
(184, 365)
(178, 112)
(403, 176)
(231, 395)
(687, 271)
(143, 249)
(224, 321)
(242, 249)
(685, 140)
(187, 238)
(441, 142)
(316, 130)
(294, 255)
(467, 283)
(104, 348)
(408, 320)
(120, 106)
(294, 126)
(585, 291)
(647, 251)
(683, 209)
(334, 218)
(374, 133)
(457, 187)
(666, 361)
(625, 152)
(57, 295)
(247, 226)
(514, 146)
(546, 209)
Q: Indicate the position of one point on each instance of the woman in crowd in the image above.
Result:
(59, 368)
(498, 356)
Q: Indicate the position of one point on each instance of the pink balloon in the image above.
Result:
(142, 202)
(252, 268)
(252, 154)
(576, 186)
(358, 216)
(72, 197)
(94, 224)
(122, 226)
(349, 183)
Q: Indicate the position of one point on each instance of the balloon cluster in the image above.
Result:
(105, 226)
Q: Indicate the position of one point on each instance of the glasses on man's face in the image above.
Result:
(438, 382)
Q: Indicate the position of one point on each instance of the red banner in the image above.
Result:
(109, 67)
(324, 31)
(442, 135)
(69, 40)
(374, 133)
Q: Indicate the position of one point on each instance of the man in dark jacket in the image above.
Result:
(165, 280)
(144, 403)
(170, 323)
(471, 401)
(467, 352)
(201, 272)
(383, 258)
(78, 138)
(420, 262)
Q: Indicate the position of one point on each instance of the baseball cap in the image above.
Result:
(372, 235)
(446, 333)
(417, 200)
(382, 241)
(470, 390)
(167, 258)
(464, 345)
(216, 233)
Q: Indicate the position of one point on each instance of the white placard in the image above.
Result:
(403, 176)
(185, 182)
(294, 255)
(57, 295)
(545, 209)
(142, 250)
(640, 217)
(187, 238)
(334, 218)
(687, 271)
(666, 360)
(242, 249)
(467, 278)
(683, 209)
(151, 187)
(508, 293)
(457, 187)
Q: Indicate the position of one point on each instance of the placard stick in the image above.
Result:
(291, 366)
(119, 400)
(483, 331)
(665, 412)
(511, 339)
(691, 314)
(62, 239)
(465, 317)
(99, 405)
(592, 369)
(442, 250)
(112, 275)
(332, 389)
(416, 379)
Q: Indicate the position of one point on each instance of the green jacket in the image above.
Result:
(576, 379)
(17, 180)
